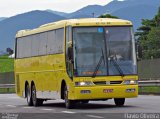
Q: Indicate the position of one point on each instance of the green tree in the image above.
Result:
(108, 16)
(153, 44)
(148, 37)
(157, 18)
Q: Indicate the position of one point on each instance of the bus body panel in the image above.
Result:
(42, 73)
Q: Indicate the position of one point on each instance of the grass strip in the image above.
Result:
(7, 90)
(6, 64)
(149, 89)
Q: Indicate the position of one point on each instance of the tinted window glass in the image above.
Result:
(50, 42)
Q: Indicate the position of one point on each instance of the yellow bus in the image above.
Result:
(77, 60)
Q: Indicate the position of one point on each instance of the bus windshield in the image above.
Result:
(104, 51)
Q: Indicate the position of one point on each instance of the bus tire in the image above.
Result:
(35, 100)
(70, 104)
(84, 101)
(119, 101)
(28, 96)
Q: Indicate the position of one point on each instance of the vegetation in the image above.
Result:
(9, 51)
(7, 90)
(149, 37)
(6, 64)
(108, 16)
(149, 89)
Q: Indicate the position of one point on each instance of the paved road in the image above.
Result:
(10, 103)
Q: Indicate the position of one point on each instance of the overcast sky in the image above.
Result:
(12, 7)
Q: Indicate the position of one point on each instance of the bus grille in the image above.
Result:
(115, 82)
(107, 82)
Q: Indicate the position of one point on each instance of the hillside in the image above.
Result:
(57, 13)
(29, 20)
(2, 18)
(88, 11)
(133, 10)
(116, 7)
(136, 13)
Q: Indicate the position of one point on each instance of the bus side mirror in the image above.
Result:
(70, 54)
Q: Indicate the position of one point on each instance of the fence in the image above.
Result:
(7, 78)
(149, 69)
(149, 83)
(7, 81)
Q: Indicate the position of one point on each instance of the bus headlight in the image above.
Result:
(130, 82)
(84, 83)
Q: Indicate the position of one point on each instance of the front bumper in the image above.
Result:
(104, 92)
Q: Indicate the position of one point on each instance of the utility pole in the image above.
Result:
(93, 14)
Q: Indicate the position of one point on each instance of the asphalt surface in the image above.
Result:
(13, 106)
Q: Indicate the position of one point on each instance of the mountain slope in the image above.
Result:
(2, 18)
(116, 5)
(88, 11)
(136, 13)
(30, 20)
(133, 10)
(58, 13)
(112, 7)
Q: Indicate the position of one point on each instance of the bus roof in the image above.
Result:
(74, 23)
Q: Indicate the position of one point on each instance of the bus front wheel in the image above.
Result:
(36, 102)
(68, 103)
(119, 101)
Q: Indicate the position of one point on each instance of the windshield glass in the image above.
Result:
(104, 51)
(89, 47)
(120, 47)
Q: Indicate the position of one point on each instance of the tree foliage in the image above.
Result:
(9, 51)
(108, 16)
(148, 36)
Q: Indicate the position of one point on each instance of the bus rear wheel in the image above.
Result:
(35, 100)
(68, 103)
(28, 96)
(119, 101)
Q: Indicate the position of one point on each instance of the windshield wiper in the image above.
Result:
(117, 66)
(98, 65)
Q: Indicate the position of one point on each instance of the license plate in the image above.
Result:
(108, 91)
